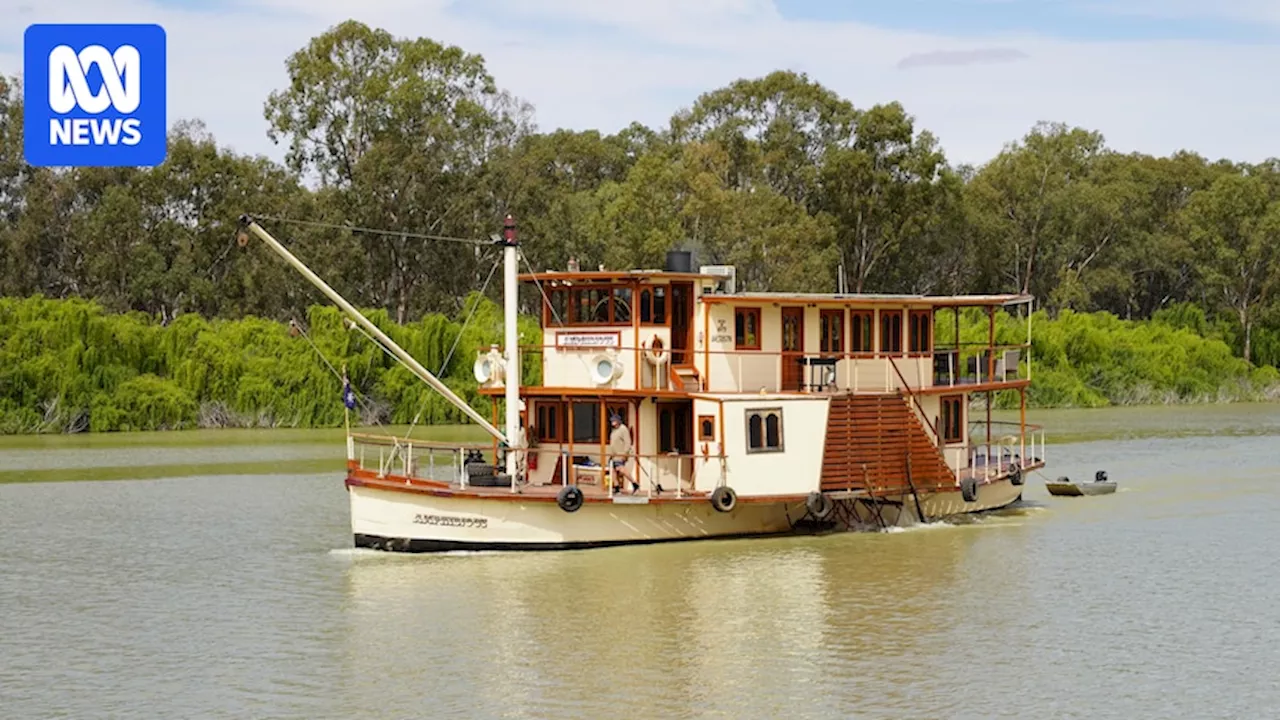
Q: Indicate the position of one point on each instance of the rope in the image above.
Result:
(373, 231)
(476, 306)
(295, 324)
(467, 322)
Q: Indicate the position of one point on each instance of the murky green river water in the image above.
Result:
(212, 577)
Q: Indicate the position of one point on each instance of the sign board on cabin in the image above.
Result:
(588, 340)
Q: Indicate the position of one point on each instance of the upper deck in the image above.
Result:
(655, 332)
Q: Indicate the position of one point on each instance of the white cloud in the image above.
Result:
(1156, 97)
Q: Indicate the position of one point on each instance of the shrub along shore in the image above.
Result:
(71, 366)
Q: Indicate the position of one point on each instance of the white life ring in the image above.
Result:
(655, 353)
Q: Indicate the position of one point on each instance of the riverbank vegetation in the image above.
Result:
(70, 365)
(1154, 275)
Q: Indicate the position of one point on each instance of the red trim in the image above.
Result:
(398, 483)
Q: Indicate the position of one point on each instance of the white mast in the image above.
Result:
(404, 357)
(509, 307)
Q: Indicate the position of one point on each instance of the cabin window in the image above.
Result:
(706, 428)
(674, 433)
(764, 430)
(890, 331)
(832, 322)
(603, 304)
(550, 421)
(557, 309)
(621, 305)
(952, 419)
(860, 332)
(586, 422)
(746, 328)
(652, 305)
(920, 332)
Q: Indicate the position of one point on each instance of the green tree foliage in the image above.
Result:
(777, 175)
(401, 132)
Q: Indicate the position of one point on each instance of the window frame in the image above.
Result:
(647, 304)
(702, 425)
(825, 328)
(743, 312)
(886, 319)
(917, 321)
(945, 417)
(544, 409)
(869, 324)
(764, 413)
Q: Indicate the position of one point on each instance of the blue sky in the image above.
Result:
(1153, 76)
(1068, 19)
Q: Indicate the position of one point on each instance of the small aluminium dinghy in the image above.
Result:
(1064, 486)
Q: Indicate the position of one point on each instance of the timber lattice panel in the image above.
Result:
(868, 440)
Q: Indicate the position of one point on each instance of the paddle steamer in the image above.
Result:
(749, 414)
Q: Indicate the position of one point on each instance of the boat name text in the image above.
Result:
(451, 521)
(588, 341)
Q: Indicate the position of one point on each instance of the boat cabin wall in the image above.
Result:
(752, 350)
(773, 445)
(948, 415)
(617, 334)
(602, 357)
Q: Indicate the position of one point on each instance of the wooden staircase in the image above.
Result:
(869, 438)
(685, 378)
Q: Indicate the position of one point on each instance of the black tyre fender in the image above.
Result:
(724, 498)
(969, 489)
(819, 504)
(569, 498)
(1016, 478)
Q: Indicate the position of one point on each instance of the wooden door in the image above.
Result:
(792, 348)
(681, 321)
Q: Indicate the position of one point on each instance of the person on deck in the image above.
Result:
(619, 451)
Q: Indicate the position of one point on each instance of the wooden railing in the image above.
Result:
(762, 370)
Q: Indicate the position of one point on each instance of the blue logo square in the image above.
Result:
(94, 95)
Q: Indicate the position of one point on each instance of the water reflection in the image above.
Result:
(799, 627)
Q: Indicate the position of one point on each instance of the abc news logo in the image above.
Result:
(95, 95)
(69, 89)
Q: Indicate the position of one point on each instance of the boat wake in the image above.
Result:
(920, 527)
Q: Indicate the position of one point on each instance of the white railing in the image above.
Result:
(1006, 454)
(404, 457)
(447, 462)
(675, 473)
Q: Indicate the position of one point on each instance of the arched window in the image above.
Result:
(764, 430)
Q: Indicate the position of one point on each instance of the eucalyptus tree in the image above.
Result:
(403, 132)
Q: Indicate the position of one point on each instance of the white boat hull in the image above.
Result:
(412, 522)
(387, 519)
(991, 496)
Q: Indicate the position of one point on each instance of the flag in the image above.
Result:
(348, 395)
